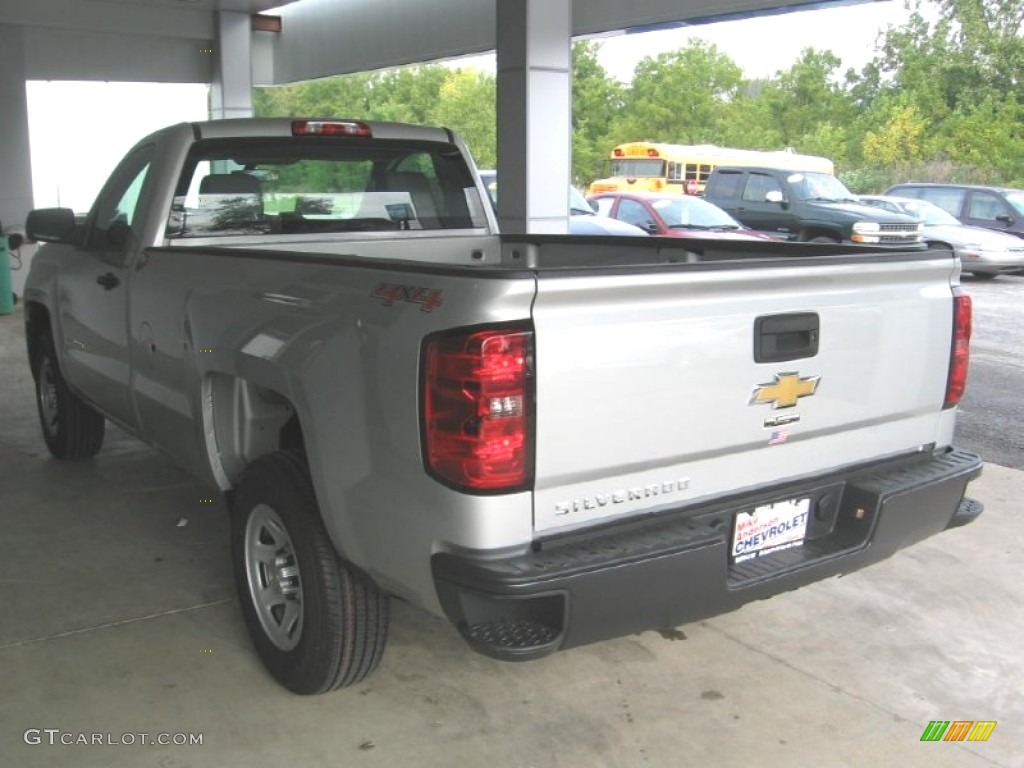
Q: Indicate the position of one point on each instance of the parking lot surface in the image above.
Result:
(118, 618)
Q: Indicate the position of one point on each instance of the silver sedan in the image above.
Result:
(984, 253)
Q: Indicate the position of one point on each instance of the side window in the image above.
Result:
(125, 208)
(632, 212)
(985, 205)
(118, 203)
(899, 191)
(726, 185)
(604, 205)
(759, 185)
(948, 198)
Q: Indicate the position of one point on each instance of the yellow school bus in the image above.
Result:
(684, 168)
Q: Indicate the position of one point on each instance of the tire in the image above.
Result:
(984, 275)
(72, 429)
(823, 239)
(320, 625)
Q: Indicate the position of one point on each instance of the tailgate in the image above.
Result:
(649, 394)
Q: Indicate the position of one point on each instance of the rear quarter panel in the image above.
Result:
(325, 336)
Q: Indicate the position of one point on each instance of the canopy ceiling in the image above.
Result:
(170, 40)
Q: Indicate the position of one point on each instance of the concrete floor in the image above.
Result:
(116, 618)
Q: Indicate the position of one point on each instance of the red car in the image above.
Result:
(673, 215)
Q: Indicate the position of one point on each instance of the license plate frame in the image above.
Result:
(770, 528)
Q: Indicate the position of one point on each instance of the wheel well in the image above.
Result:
(37, 322)
(810, 234)
(244, 421)
(290, 437)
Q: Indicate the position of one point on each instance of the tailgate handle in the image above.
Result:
(778, 338)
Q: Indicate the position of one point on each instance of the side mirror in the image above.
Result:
(118, 233)
(593, 206)
(775, 196)
(650, 227)
(14, 241)
(50, 225)
(1005, 217)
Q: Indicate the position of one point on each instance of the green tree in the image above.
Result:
(808, 106)
(952, 77)
(899, 140)
(988, 139)
(467, 104)
(595, 98)
(747, 119)
(971, 51)
(678, 96)
(408, 94)
(344, 96)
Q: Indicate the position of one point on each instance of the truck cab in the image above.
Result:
(808, 206)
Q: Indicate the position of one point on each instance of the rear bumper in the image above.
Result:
(992, 262)
(675, 567)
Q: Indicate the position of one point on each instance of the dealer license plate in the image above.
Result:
(770, 528)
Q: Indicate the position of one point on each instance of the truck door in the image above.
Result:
(986, 209)
(757, 212)
(93, 298)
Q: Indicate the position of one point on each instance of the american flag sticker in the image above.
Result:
(778, 436)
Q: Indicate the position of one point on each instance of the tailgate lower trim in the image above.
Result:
(675, 567)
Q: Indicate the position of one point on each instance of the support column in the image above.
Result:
(15, 162)
(534, 115)
(231, 92)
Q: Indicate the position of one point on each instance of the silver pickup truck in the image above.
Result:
(550, 440)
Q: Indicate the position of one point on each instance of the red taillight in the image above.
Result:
(961, 351)
(477, 418)
(329, 128)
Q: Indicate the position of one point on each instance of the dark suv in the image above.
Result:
(807, 206)
(997, 208)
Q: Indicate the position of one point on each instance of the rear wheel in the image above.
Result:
(72, 429)
(317, 623)
(824, 239)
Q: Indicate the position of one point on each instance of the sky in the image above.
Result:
(78, 131)
(70, 160)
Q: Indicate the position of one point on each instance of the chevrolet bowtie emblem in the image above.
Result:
(785, 390)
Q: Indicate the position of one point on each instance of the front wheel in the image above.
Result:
(317, 624)
(72, 429)
(824, 239)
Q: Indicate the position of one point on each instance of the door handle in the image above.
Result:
(109, 280)
(779, 338)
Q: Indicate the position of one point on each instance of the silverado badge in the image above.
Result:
(785, 390)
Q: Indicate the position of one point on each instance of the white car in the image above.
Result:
(582, 218)
(983, 252)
